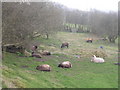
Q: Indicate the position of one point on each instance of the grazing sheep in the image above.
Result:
(34, 48)
(97, 59)
(65, 44)
(89, 40)
(44, 67)
(117, 63)
(65, 64)
(38, 55)
(46, 53)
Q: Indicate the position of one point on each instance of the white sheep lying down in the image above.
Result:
(97, 59)
(44, 67)
(65, 64)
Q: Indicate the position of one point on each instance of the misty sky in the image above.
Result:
(103, 5)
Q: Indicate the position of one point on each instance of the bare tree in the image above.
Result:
(20, 21)
(16, 26)
(52, 19)
(104, 24)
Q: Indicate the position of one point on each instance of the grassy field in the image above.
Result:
(20, 72)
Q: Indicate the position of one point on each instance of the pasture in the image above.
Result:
(20, 72)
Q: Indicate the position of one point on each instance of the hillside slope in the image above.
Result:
(20, 72)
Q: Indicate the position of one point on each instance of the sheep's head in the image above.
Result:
(92, 58)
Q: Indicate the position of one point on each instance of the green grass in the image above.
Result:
(83, 74)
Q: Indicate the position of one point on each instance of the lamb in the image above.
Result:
(44, 67)
(97, 59)
(46, 53)
(65, 64)
(65, 44)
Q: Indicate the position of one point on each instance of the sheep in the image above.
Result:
(44, 67)
(46, 53)
(65, 64)
(89, 40)
(38, 55)
(34, 48)
(65, 44)
(117, 63)
(97, 59)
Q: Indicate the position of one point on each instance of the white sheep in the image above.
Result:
(44, 67)
(65, 64)
(97, 59)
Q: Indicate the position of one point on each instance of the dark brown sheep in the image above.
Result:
(65, 44)
(34, 48)
(65, 64)
(89, 40)
(38, 55)
(117, 63)
(44, 67)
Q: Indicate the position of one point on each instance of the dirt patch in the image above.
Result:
(32, 72)
(41, 60)
(21, 56)
(44, 58)
(24, 66)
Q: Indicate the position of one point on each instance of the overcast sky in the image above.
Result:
(104, 5)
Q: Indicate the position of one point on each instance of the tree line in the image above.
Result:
(104, 24)
(21, 21)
